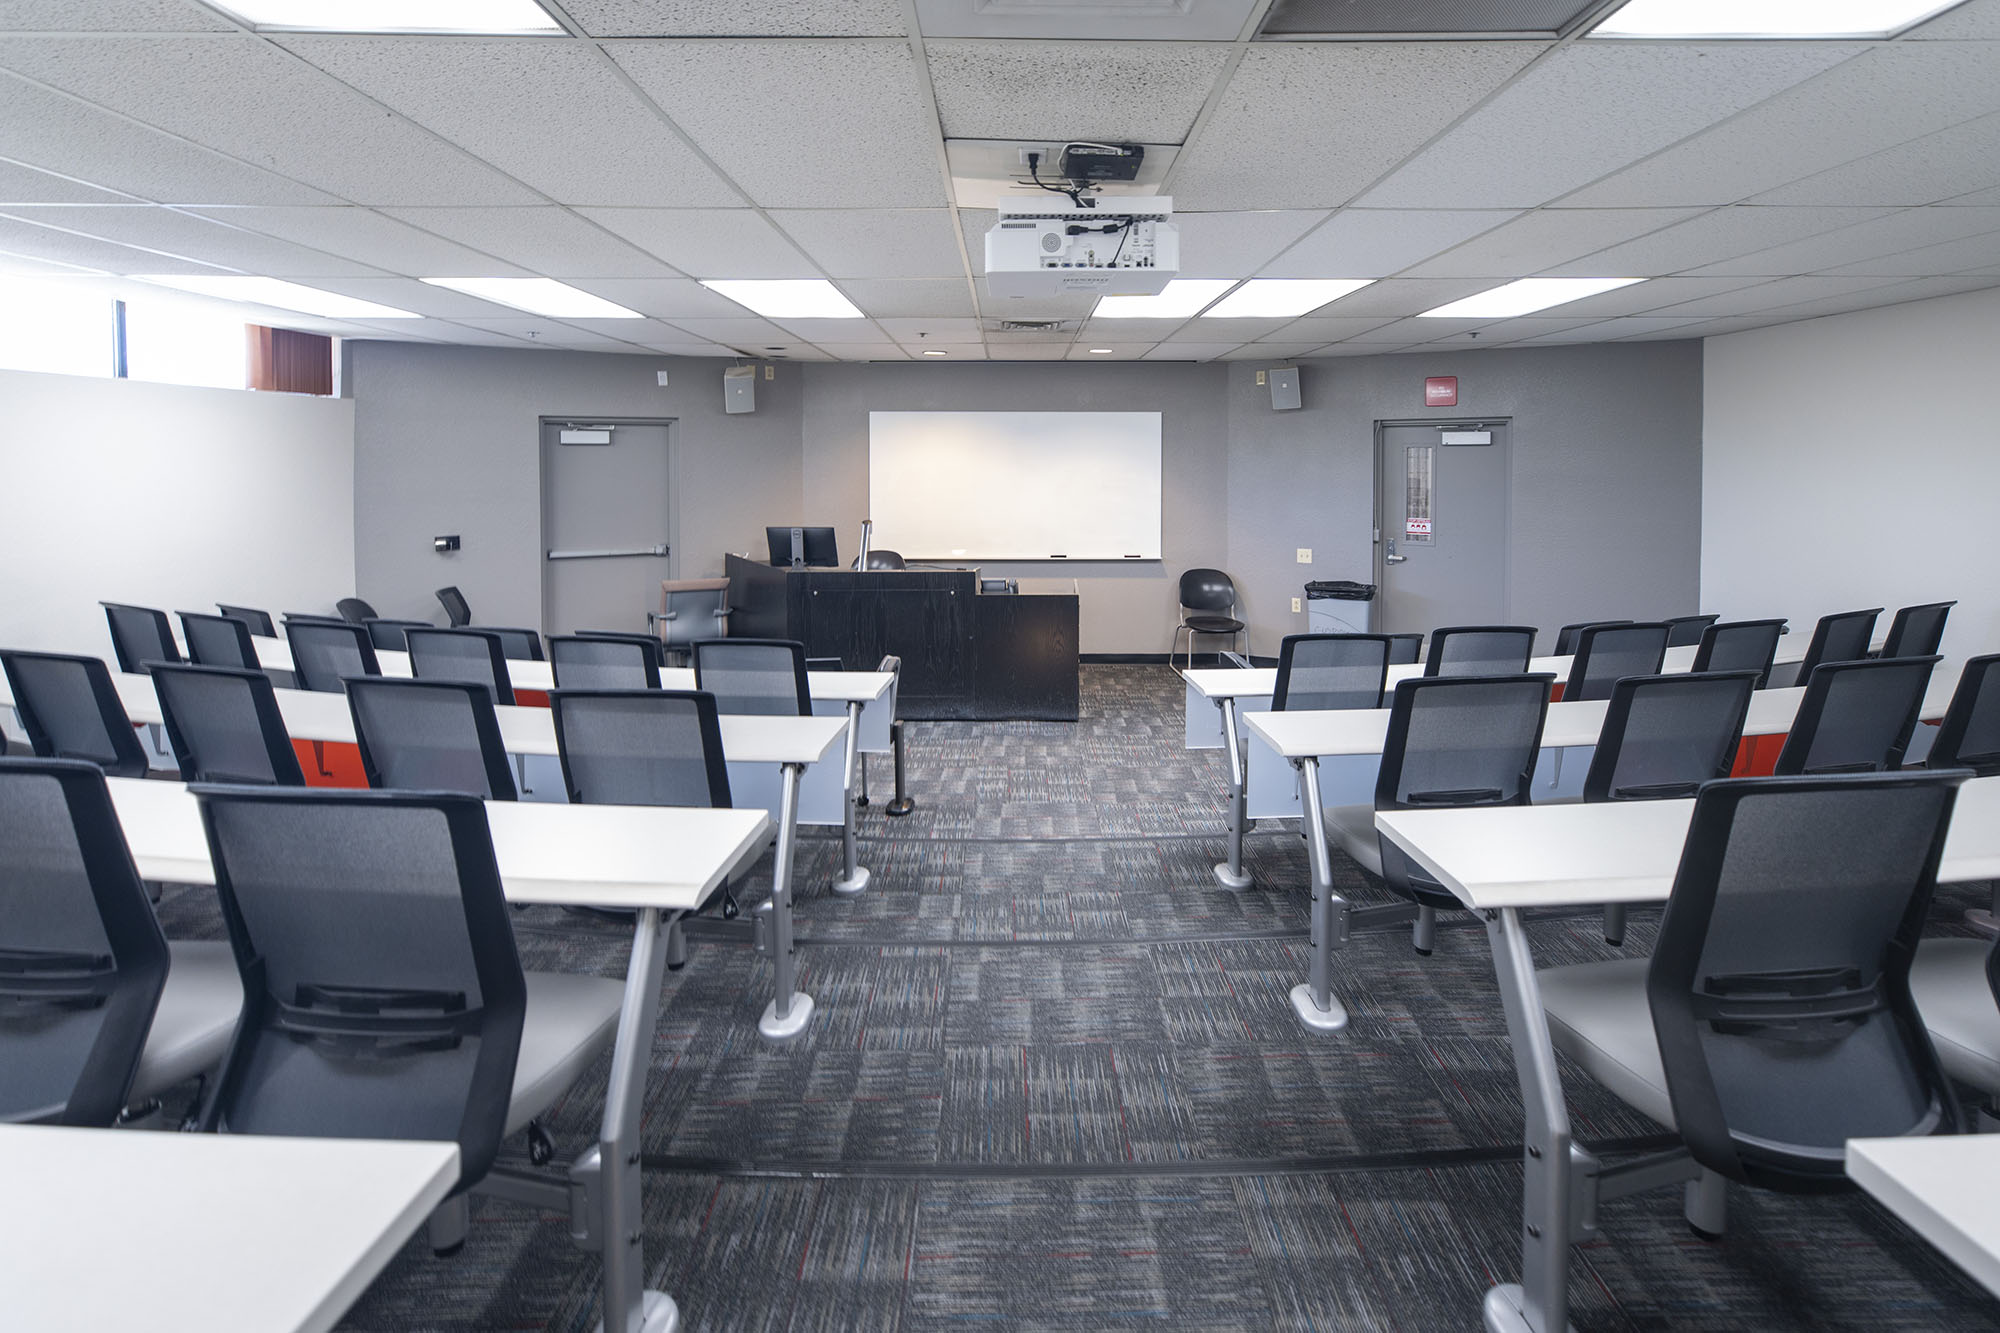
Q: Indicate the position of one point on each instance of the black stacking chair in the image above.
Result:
(70, 710)
(139, 635)
(518, 645)
(258, 621)
(605, 662)
(1842, 637)
(392, 635)
(1740, 645)
(1606, 654)
(640, 747)
(326, 653)
(765, 676)
(1404, 649)
(1663, 737)
(1856, 717)
(1969, 736)
(218, 641)
(1479, 650)
(464, 655)
(822, 664)
(224, 726)
(1686, 631)
(97, 1010)
(354, 611)
(1331, 671)
(885, 559)
(1566, 637)
(1765, 1035)
(1916, 631)
(430, 735)
(1452, 741)
(454, 605)
(1208, 606)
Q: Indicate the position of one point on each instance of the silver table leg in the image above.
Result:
(789, 1011)
(1313, 999)
(1230, 874)
(854, 877)
(628, 1306)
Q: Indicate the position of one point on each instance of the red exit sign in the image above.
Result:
(1441, 391)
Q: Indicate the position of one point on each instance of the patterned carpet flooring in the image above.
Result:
(1053, 1082)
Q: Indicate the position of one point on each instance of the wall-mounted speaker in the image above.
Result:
(1285, 389)
(739, 389)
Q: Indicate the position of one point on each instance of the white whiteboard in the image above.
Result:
(1015, 485)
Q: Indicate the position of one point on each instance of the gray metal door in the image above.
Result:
(607, 520)
(1441, 513)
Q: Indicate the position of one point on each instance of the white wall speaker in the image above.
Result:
(739, 389)
(1285, 389)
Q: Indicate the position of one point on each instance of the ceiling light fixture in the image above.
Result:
(1100, 351)
(277, 294)
(538, 296)
(485, 17)
(1281, 298)
(1768, 19)
(1525, 297)
(1179, 299)
(935, 351)
(786, 298)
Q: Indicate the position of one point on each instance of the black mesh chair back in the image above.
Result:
(765, 676)
(1779, 986)
(1740, 645)
(640, 747)
(70, 710)
(218, 641)
(1566, 637)
(382, 994)
(82, 961)
(1605, 654)
(1856, 717)
(393, 635)
(327, 652)
(885, 559)
(1331, 671)
(455, 609)
(628, 662)
(1969, 737)
(1842, 637)
(518, 645)
(470, 655)
(1916, 631)
(1479, 650)
(258, 621)
(1405, 649)
(1664, 736)
(430, 735)
(1686, 631)
(224, 726)
(140, 634)
(354, 611)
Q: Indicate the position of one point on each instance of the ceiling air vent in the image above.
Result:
(1029, 326)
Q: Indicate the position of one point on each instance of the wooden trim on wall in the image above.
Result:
(287, 361)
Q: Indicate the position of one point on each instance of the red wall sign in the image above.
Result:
(1441, 391)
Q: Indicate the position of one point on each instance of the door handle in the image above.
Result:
(1394, 559)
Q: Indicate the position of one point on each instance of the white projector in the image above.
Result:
(1125, 247)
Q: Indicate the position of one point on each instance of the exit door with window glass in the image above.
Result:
(1441, 512)
(606, 524)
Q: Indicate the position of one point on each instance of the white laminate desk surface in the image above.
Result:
(863, 687)
(1947, 1187)
(670, 857)
(192, 1233)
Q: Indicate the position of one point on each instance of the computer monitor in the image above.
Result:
(802, 546)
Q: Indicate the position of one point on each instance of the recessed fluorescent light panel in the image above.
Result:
(538, 296)
(1279, 298)
(278, 295)
(1179, 299)
(479, 16)
(1767, 18)
(1526, 297)
(786, 298)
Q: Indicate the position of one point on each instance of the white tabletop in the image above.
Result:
(670, 857)
(1615, 852)
(1250, 682)
(191, 1233)
(863, 687)
(1947, 1187)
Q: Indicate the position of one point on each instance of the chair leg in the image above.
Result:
(448, 1225)
(1423, 931)
(1614, 924)
(1707, 1205)
(677, 946)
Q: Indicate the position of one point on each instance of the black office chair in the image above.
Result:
(1566, 636)
(880, 559)
(1740, 645)
(691, 611)
(97, 1010)
(1607, 653)
(139, 635)
(1663, 736)
(1686, 631)
(1916, 631)
(430, 735)
(224, 726)
(454, 605)
(605, 662)
(1969, 736)
(518, 645)
(70, 710)
(1331, 671)
(1479, 650)
(1842, 637)
(640, 747)
(354, 611)
(258, 621)
(1452, 741)
(326, 653)
(218, 641)
(1856, 717)
(1405, 649)
(1206, 595)
(822, 664)
(474, 655)
(393, 635)
(765, 676)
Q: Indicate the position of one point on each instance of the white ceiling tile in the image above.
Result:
(62, 247)
(801, 124)
(953, 351)
(1506, 332)
(1877, 100)
(1653, 294)
(1413, 330)
(709, 242)
(740, 331)
(1180, 351)
(14, 265)
(910, 297)
(1329, 328)
(1977, 21)
(1147, 331)
(109, 16)
(408, 294)
(827, 332)
(1209, 330)
(547, 333)
(1936, 167)
(1027, 351)
(555, 115)
(1098, 20)
(191, 237)
(1120, 351)
(687, 348)
(550, 241)
(1973, 254)
(1359, 349)
(368, 237)
(21, 184)
(1394, 297)
(1547, 237)
(1311, 124)
(1720, 234)
(1111, 92)
(1975, 199)
(1895, 293)
(1774, 296)
(1374, 243)
(975, 223)
(663, 298)
(253, 101)
(1609, 329)
(1910, 229)
(877, 242)
(865, 351)
(1591, 109)
(733, 18)
(906, 330)
(1236, 245)
(1269, 352)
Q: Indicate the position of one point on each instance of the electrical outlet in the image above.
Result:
(663, 379)
(770, 372)
(1305, 555)
(1261, 377)
(1297, 606)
